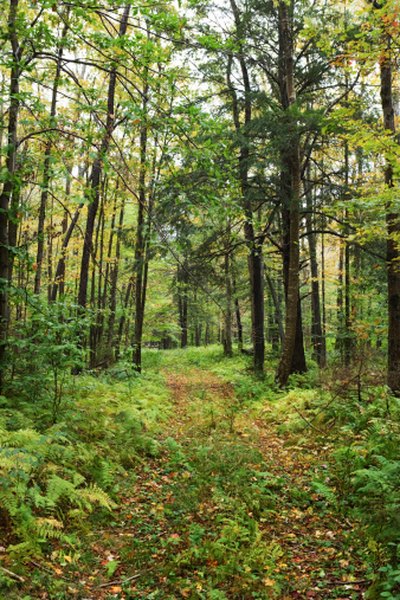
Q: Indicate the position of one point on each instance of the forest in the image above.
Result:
(199, 299)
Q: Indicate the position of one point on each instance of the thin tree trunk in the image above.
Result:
(47, 168)
(95, 176)
(197, 335)
(228, 351)
(339, 303)
(61, 282)
(50, 254)
(347, 334)
(238, 316)
(255, 260)
(140, 246)
(109, 253)
(182, 281)
(207, 334)
(278, 321)
(59, 275)
(348, 339)
(123, 319)
(114, 279)
(323, 283)
(317, 337)
(96, 268)
(101, 276)
(13, 225)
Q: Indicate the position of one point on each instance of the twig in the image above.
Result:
(308, 422)
(41, 567)
(120, 581)
(48, 570)
(11, 574)
(349, 583)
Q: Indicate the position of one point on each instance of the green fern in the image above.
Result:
(40, 487)
(95, 495)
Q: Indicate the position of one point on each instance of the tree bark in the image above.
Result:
(59, 275)
(277, 314)
(10, 184)
(255, 260)
(96, 173)
(228, 351)
(123, 319)
(291, 357)
(140, 246)
(114, 280)
(238, 316)
(182, 281)
(393, 229)
(47, 168)
(317, 337)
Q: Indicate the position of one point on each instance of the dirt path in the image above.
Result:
(319, 559)
(226, 510)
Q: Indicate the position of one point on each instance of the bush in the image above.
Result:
(42, 352)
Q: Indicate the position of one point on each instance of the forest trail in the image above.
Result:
(222, 503)
(228, 511)
(316, 544)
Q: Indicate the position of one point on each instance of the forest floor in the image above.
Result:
(231, 506)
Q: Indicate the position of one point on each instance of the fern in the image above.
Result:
(95, 495)
(39, 483)
(48, 528)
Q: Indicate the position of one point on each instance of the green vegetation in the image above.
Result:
(197, 479)
(199, 300)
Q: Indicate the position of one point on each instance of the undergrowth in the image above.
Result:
(53, 475)
(358, 423)
(65, 473)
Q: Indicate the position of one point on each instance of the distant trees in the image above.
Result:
(242, 158)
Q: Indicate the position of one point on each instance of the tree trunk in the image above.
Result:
(255, 260)
(95, 176)
(291, 357)
(50, 254)
(228, 308)
(277, 313)
(182, 281)
(10, 183)
(140, 247)
(323, 283)
(317, 337)
(59, 275)
(109, 266)
(47, 168)
(96, 268)
(123, 319)
(114, 280)
(238, 316)
(393, 229)
(207, 334)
